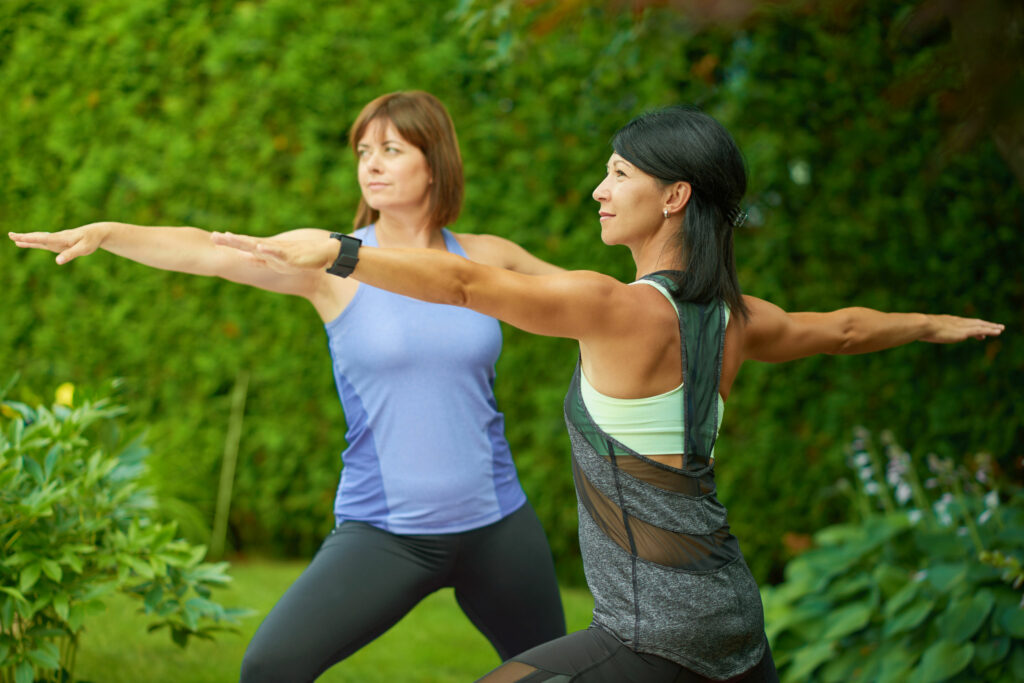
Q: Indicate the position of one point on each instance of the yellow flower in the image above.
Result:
(8, 411)
(66, 394)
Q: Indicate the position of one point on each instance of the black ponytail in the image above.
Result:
(684, 144)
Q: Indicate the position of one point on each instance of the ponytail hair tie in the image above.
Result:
(737, 217)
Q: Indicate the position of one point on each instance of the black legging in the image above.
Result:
(363, 580)
(596, 656)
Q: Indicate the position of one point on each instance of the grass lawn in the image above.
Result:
(435, 643)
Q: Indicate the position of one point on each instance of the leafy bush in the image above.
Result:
(75, 528)
(917, 590)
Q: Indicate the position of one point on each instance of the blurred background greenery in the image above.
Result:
(886, 155)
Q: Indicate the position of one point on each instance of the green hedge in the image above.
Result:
(234, 116)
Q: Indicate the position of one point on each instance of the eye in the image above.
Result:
(619, 173)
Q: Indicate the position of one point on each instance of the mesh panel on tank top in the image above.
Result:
(659, 513)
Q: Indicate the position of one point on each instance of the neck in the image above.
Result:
(659, 252)
(407, 230)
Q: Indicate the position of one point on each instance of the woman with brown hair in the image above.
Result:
(674, 601)
(429, 496)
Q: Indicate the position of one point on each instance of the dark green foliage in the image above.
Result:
(234, 116)
(75, 527)
(913, 590)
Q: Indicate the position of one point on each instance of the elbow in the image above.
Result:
(849, 337)
(459, 291)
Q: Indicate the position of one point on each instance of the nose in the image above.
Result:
(600, 192)
(371, 161)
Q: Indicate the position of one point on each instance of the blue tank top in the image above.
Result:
(426, 444)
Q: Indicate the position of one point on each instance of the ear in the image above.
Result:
(676, 197)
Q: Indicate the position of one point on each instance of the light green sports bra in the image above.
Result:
(652, 425)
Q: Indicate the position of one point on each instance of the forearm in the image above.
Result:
(184, 249)
(426, 274)
(865, 330)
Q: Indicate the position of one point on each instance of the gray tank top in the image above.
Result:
(667, 576)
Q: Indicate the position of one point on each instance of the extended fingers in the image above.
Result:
(272, 250)
(230, 239)
(985, 328)
(40, 240)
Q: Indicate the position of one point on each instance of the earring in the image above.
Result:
(664, 212)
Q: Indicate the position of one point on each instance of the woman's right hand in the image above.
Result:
(67, 244)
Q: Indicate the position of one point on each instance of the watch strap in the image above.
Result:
(348, 255)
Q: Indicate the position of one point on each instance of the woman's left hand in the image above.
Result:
(948, 329)
(283, 256)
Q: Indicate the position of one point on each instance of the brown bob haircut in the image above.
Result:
(423, 121)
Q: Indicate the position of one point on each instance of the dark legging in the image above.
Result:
(363, 580)
(596, 656)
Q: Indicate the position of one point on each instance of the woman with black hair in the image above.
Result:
(674, 599)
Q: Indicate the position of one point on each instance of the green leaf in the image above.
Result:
(19, 558)
(190, 616)
(1017, 663)
(17, 595)
(902, 597)
(964, 617)
(60, 605)
(807, 659)
(74, 562)
(989, 652)
(908, 619)
(153, 598)
(51, 459)
(896, 664)
(847, 620)
(1011, 619)
(33, 468)
(29, 576)
(23, 674)
(179, 636)
(141, 567)
(43, 659)
(844, 587)
(76, 617)
(889, 578)
(945, 576)
(7, 610)
(849, 664)
(943, 660)
(52, 569)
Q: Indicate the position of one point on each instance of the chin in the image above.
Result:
(608, 239)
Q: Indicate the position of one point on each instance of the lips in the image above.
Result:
(604, 214)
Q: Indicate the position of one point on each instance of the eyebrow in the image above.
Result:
(383, 142)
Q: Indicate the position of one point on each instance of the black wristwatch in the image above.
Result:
(348, 255)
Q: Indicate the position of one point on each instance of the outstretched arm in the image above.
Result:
(184, 249)
(576, 304)
(775, 336)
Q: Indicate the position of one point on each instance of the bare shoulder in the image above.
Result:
(504, 253)
(635, 311)
(488, 249)
(764, 317)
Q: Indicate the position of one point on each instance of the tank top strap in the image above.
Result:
(702, 336)
(368, 235)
